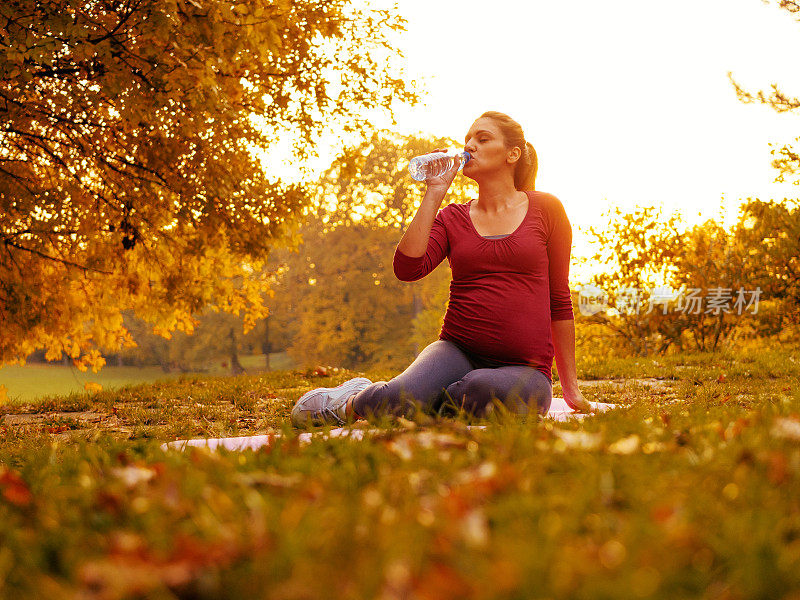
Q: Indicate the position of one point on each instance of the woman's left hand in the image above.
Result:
(577, 402)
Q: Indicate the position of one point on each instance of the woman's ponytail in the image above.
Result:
(526, 169)
(528, 163)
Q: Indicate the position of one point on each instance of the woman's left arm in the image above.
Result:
(564, 345)
(562, 320)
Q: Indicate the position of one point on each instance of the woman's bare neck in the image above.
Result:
(497, 196)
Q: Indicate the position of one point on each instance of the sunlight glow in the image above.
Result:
(627, 102)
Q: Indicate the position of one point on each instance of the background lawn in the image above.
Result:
(33, 382)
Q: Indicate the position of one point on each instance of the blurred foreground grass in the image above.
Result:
(693, 491)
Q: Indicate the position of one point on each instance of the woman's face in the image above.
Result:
(485, 143)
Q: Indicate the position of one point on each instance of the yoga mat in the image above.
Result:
(559, 411)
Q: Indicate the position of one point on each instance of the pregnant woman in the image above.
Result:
(509, 312)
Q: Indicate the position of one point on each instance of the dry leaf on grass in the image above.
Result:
(626, 445)
(581, 440)
(786, 428)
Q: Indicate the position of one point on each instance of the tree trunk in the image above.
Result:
(236, 367)
(265, 347)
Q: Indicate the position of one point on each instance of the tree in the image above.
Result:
(216, 338)
(352, 311)
(130, 145)
(348, 307)
(636, 251)
(709, 268)
(771, 229)
(371, 181)
(787, 158)
(770, 233)
(667, 287)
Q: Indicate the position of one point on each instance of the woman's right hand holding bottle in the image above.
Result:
(441, 183)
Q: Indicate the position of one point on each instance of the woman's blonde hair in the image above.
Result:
(528, 163)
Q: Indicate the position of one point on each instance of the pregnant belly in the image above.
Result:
(515, 337)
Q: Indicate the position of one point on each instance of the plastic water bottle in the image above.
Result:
(434, 164)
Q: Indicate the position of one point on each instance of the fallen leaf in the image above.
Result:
(612, 554)
(441, 582)
(401, 448)
(786, 428)
(132, 475)
(582, 440)
(651, 447)
(405, 423)
(777, 467)
(436, 439)
(475, 528)
(662, 512)
(626, 445)
(14, 489)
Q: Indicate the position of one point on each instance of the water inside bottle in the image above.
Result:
(434, 164)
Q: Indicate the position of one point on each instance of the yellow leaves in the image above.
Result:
(93, 387)
(186, 246)
(92, 359)
(3, 394)
(185, 322)
(162, 331)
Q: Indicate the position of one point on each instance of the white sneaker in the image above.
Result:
(326, 405)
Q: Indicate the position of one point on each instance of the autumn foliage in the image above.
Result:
(131, 151)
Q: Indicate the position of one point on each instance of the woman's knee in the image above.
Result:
(535, 394)
(477, 392)
(472, 393)
(421, 385)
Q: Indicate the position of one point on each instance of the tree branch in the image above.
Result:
(8, 243)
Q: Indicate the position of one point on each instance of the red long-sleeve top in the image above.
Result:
(505, 291)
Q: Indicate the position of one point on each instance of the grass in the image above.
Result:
(31, 382)
(691, 492)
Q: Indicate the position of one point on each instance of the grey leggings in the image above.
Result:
(444, 375)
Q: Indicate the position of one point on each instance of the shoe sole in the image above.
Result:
(348, 388)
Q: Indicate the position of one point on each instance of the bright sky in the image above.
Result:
(627, 102)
